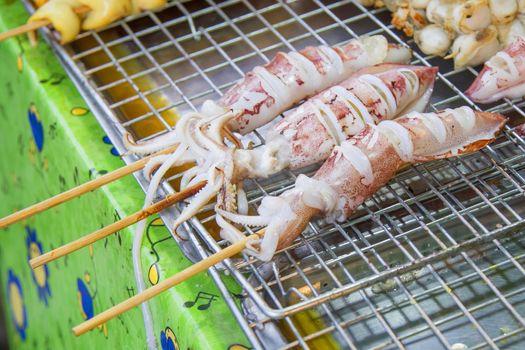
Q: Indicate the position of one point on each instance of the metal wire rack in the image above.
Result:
(428, 261)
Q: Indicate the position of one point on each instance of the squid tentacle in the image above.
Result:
(153, 165)
(151, 146)
(247, 220)
(215, 181)
(188, 177)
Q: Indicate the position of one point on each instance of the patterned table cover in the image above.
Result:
(51, 142)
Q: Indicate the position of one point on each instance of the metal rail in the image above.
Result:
(428, 261)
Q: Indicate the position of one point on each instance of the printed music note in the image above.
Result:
(62, 181)
(53, 130)
(206, 297)
(76, 176)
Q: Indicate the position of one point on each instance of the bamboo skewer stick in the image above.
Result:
(79, 190)
(26, 28)
(163, 286)
(32, 26)
(116, 226)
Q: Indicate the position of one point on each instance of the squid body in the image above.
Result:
(357, 168)
(502, 77)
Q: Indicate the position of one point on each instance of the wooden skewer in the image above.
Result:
(79, 190)
(162, 286)
(116, 226)
(26, 28)
(32, 26)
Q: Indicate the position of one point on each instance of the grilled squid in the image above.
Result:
(508, 32)
(462, 17)
(291, 77)
(357, 168)
(408, 15)
(308, 135)
(475, 48)
(269, 90)
(434, 40)
(503, 75)
(503, 11)
(104, 12)
(61, 14)
(408, 19)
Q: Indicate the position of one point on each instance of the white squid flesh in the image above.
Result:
(460, 16)
(503, 11)
(433, 40)
(508, 32)
(475, 48)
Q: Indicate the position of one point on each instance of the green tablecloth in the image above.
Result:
(51, 142)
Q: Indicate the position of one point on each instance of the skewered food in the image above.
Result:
(408, 19)
(475, 48)
(508, 32)
(307, 135)
(503, 11)
(357, 168)
(61, 14)
(503, 75)
(433, 40)
(269, 90)
(462, 17)
(472, 30)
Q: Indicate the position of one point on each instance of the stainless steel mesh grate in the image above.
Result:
(427, 261)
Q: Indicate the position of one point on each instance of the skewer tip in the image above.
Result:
(36, 262)
(77, 331)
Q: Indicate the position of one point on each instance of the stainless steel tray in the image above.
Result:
(433, 259)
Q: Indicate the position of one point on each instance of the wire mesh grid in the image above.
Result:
(427, 261)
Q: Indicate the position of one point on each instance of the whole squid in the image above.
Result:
(502, 77)
(269, 90)
(307, 135)
(357, 168)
